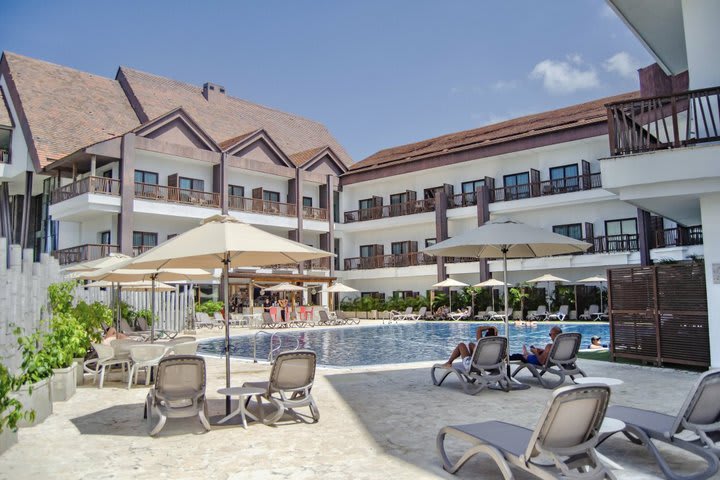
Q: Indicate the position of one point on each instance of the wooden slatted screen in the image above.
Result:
(659, 314)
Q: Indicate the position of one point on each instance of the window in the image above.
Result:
(108, 174)
(365, 203)
(573, 230)
(367, 250)
(307, 201)
(627, 226)
(150, 178)
(269, 196)
(144, 239)
(432, 192)
(105, 237)
(236, 191)
(399, 248)
(517, 186)
(621, 235)
(398, 198)
(565, 178)
(192, 184)
(171, 235)
(429, 242)
(471, 187)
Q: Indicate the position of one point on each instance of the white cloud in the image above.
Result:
(622, 64)
(505, 85)
(561, 77)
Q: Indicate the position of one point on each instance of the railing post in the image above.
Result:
(611, 131)
(676, 128)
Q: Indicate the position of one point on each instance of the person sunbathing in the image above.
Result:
(112, 334)
(466, 350)
(536, 356)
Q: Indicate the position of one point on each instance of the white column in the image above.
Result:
(710, 212)
(702, 38)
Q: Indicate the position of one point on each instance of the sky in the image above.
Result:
(376, 73)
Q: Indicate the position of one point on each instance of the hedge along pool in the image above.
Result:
(393, 343)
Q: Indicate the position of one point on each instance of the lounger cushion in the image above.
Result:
(645, 419)
(504, 436)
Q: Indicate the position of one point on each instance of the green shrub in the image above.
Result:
(147, 314)
(11, 410)
(92, 317)
(67, 339)
(209, 307)
(36, 364)
(61, 296)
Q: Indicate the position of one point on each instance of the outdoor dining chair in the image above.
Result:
(147, 357)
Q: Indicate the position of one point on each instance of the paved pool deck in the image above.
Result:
(376, 423)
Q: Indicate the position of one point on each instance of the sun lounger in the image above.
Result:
(539, 314)
(695, 429)
(590, 312)
(487, 367)
(560, 314)
(562, 445)
(455, 316)
(501, 316)
(560, 362)
(395, 316)
(417, 316)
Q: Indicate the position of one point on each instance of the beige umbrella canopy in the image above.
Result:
(285, 287)
(99, 263)
(223, 241)
(549, 278)
(338, 287)
(595, 279)
(505, 238)
(449, 283)
(141, 285)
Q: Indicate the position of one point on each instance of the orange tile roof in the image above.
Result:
(301, 157)
(5, 120)
(225, 117)
(517, 128)
(67, 109)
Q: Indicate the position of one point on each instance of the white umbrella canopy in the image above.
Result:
(140, 285)
(505, 238)
(99, 263)
(596, 279)
(285, 287)
(491, 283)
(338, 287)
(549, 278)
(223, 241)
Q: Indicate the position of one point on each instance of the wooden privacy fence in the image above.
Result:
(659, 314)
(23, 296)
(174, 309)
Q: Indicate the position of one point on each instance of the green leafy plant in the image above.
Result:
(66, 339)
(209, 307)
(92, 317)
(11, 410)
(61, 296)
(147, 314)
(35, 365)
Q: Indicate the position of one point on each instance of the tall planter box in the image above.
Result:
(63, 383)
(40, 400)
(8, 438)
(79, 371)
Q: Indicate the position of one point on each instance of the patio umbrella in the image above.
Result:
(449, 283)
(140, 285)
(490, 283)
(505, 238)
(120, 273)
(596, 279)
(287, 287)
(549, 279)
(338, 287)
(223, 241)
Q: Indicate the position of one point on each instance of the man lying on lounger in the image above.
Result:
(466, 350)
(537, 356)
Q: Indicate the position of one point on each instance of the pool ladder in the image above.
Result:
(275, 349)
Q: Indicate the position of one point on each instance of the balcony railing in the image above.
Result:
(673, 121)
(387, 211)
(258, 205)
(147, 191)
(613, 244)
(679, 236)
(315, 213)
(99, 185)
(386, 261)
(83, 253)
(4, 155)
(546, 187)
(317, 264)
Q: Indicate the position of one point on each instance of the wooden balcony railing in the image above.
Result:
(4, 155)
(386, 261)
(147, 191)
(141, 249)
(673, 121)
(83, 253)
(546, 187)
(258, 205)
(100, 185)
(317, 264)
(315, 213)
(679, 236)
(386, 211)
(613, 244)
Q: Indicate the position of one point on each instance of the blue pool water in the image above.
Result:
(395, 343)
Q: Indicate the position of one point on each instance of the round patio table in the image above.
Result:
(610, 382)
(241, 393)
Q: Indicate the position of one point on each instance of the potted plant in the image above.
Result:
(91, 317)
(66, 340)
(34, 392)
(11, 410)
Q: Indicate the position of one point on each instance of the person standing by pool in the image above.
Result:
(466, 350)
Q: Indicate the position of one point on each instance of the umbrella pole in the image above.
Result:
(514, 384)
(226, 285)
(152, 309)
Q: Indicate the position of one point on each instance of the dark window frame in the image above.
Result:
(232, 188)
(270, 193)
(193, 185)
(305, 204)
(371, 249)
(403, 197)
(517, 190)
(366, 201)
(103, 239)
(565, 182)
(620, 221)
(557, 229)
(143, 174)
(143, 237)
(429, 242)
(474, 184)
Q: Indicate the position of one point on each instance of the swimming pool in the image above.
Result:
(394, 343)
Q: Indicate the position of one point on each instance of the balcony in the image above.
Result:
(4, 155)
(679, 236)
(389, 261)
(388, 211)
(315, 213)
(657, 123)
(164, 193)
(83, 253)
(546, 187)
(258, 205)
(96, 185)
